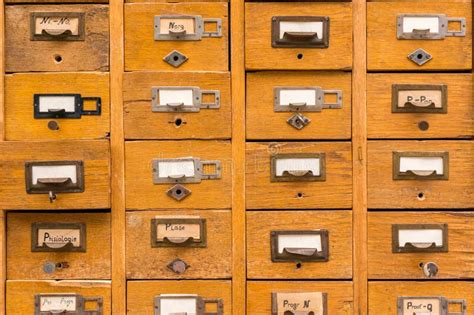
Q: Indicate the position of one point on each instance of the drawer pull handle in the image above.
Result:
(298, 173)
(300, 36)
(420, 105)
(421, 31)
(177, 32)
(55, 181)
(422, 173)
(175, 105)
(297, 105)
(419, 238)
(308, 252)
(179, 240)
(57, 32)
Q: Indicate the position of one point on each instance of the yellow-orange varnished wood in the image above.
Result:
(20, 89)
(94, 153)
(210, 262)
(263, 122)
(142, 194)
(24, 55)
(24, 264)
(142, 52)
(386, 193)
(383, 295)
(259, 260)
(334, 192)
(386, 52)
(454, 264)
(141, 294)
(260, 55)
(21, 293)
(456, 123)
(339, 294)
(141, 123)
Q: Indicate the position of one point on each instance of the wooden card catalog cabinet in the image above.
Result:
(58, 237)
(50, 304)
(170, 304)
(304, 246)
(178, 231)
(429, 305)
(420, 98)
(307, 303)
(420, 165)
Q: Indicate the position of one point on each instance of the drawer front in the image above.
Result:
(396, 106)
(202, 53)
(271, 233)
(388, 259)
(298, 53)
(291, 122)
(149, 118)
(389, 48)
(452, 189)
(330, 187)
(339, 295)
(34, 113)
(76, 172)
(207, 255)
(142, 193)
(39, 246)
(86, 50)
(384, 296)
(141, 295)
(21, 295)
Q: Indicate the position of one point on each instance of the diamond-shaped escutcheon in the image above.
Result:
(178, 192)
(175, 58)
(420, 56)
(298, 121)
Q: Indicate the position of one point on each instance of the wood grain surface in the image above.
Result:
(141, 123)
(142, 52)
(261, 223)
(263, 122)
(386, 193)
(21, 88)
(386, 52)
(456, 123)
(259, 54)
(335, 192)
(23, 264)
(94, 153)
(24, 55)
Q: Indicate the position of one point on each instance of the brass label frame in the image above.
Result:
(411, 108)
(199, 28)
(36, 226)
(322, 256)
(397, 175)
(291, 178)
(78, 107)
(61, 37)
(199, 175)
(299, 40)
(181, 108)
(443, 303)
(80, 304)
(46, 188)
(200, 303)
(410, 248)
(190, 242)
(275, 301)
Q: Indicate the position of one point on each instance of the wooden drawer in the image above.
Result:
(142, 121)
(332, 49)
(452, 189)
(206, 53)
(142, 193)
(21, 294)
(383, 296)
(86, 50)
(19, 159)
(29, 96)
(331, 189)
(207, 255)
(268, 231)
(30, 257)
(339, 295)
(298, 87)
(388, 50)
(394, 106)
(141, 295)
(388, 260)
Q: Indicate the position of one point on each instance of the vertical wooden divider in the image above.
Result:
(237, 8)
(117, 147)
(359, 156)
(3, 234)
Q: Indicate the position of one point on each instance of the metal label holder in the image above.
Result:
(419, 248)
(80, 304)
(275, 310)
(180, 34)
(300, 254)
(68, 247)
(298, 176)
(200, 304)
(319, 103)
(62, 113)
(442, 301)
(181, 107)
(57, 34)
(55, 185)
(415, 106)
(300, 39)
(179, 242)
(198, 171)
(420, 175)
(441, 33)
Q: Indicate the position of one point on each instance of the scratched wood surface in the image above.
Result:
(94, 153)
(386, 52)
(21, 293)
(454, 264)
(262, 122)
(339, 294)
(261, 223)
(23, 264)
(335, 192)
(142, 52)
(210, 262)
(20, 89)
(141, 123)
(456, 123)
(383, 295)
(140, 294)
(24, 55)
(386, 193)
(259, 54)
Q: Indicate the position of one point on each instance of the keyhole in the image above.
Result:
(178, 192)
(58, 58)
(421, 196)
(419, 56)
(175, 58)
(299, 195)
(299, 56)
(298, 265)
(178, 122)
